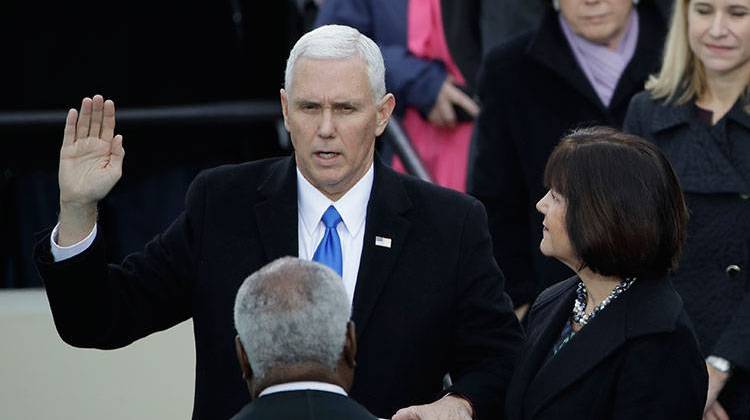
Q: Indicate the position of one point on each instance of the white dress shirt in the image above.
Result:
(352, 207)
(61, 253)
(303, 386)
(311, 204)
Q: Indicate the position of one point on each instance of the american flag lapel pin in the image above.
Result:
(384, 242)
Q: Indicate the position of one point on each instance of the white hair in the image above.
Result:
(333, 42)
(289, 312)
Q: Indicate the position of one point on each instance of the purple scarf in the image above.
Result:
(601, 66)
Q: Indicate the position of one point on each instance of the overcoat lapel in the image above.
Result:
(550, 48)
(649, 306)
(386, 219)
(647, 53)
(714, 172)
(276, 217)
(540, 341)
(589, 347)
(276, 214)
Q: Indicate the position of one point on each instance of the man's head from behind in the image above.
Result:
(335, 105)
(292, 318)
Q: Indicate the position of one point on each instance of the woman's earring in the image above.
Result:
(556, 4)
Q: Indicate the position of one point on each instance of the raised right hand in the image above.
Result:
(90, 165)
(91, 156)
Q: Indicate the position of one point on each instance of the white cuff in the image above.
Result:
(61, 253)
(719, 363)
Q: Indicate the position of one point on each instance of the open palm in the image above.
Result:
(91, 155)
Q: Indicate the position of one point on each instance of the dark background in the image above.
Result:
(140, 54)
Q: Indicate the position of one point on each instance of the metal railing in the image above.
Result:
(215, 113)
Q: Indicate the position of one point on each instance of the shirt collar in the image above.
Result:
(352, 206)
(672, 115)
(303, 385)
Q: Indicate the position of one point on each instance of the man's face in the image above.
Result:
(333, 121)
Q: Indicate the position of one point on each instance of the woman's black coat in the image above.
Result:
(713, 166)
(637, 359)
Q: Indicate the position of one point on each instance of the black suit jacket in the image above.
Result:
(303, 405)
(532, 92)
(431, 303)
(637, 359)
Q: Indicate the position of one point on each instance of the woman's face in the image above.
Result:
(600, 21)
(719, 35)
(555, 240)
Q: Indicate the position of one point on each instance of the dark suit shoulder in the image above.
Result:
(654, 111)
(511, 49)
(551, 293)
(233, 181)
(502, 62)
(643, 101)
(446, 213)
(303, 405)
(654, 307)
(229, 175)
(435, 197)
(643, 111)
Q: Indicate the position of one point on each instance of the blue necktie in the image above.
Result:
(329, 249)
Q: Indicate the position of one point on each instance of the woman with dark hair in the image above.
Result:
(612, 342)
(697, 111)
(582, 65)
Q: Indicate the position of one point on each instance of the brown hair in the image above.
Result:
(626, 215)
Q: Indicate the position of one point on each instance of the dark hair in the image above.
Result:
(626, 215)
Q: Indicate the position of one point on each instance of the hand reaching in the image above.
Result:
(442, 113)
(449, 407)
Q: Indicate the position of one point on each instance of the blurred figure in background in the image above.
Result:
(614, 341)
(697, 110)
(581, 66)
(432, 51)
(501, 20)
(307, 12)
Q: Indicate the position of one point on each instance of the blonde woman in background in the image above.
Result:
(697, 110)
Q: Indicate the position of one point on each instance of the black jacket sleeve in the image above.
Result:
(488, 334)
(104, 306)
(496, 178)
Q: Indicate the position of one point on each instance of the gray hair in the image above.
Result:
(332, 42)
(292, 311)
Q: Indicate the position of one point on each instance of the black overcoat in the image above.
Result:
(638, 359)
(432, 302)
(713, 166)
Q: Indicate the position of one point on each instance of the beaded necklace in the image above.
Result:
(579, 307)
